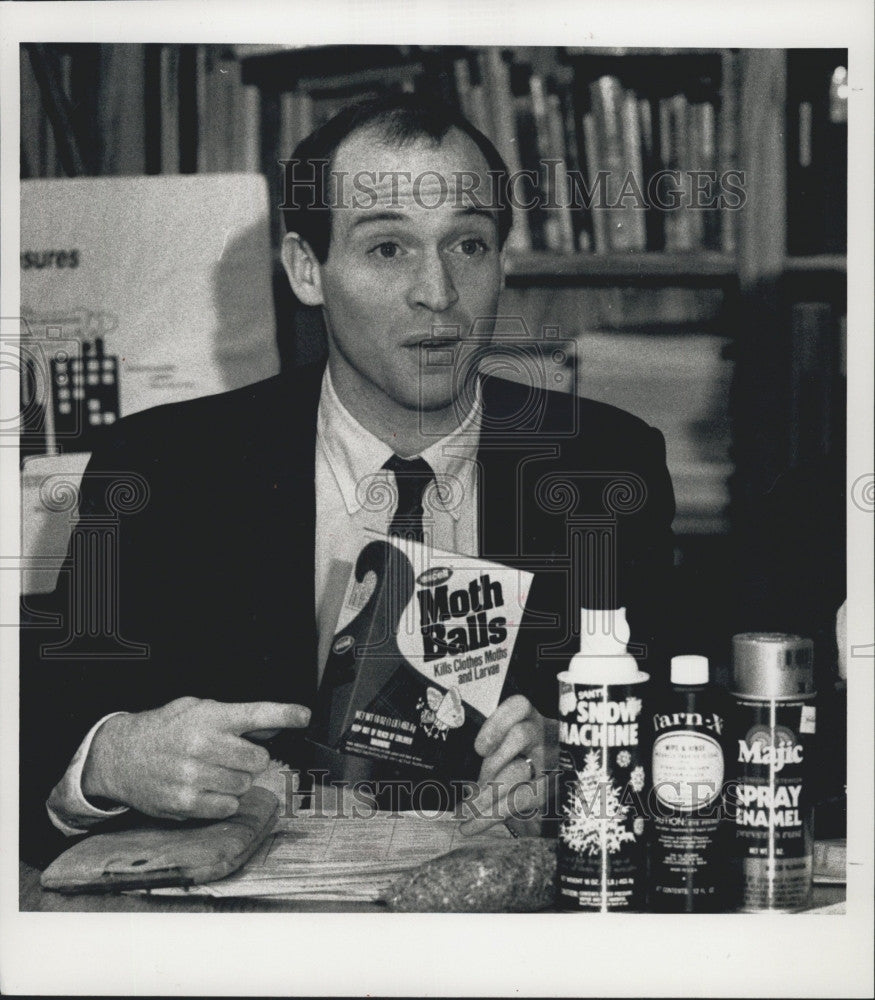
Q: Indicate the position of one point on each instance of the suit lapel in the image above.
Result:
(518, 527)
(284, 466)
(511, 455)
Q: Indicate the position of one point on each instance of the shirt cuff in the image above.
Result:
(67, 806)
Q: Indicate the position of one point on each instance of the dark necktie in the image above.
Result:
(412, 476)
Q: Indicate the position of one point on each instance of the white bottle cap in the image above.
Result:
(689, 669)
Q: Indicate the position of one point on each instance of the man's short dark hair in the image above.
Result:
(397, 119)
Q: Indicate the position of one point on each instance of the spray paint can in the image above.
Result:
(601, 852)
(769, 801)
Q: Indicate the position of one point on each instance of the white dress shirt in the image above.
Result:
(351, 496)
(355, 493)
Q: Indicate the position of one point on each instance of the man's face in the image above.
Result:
(414, 263)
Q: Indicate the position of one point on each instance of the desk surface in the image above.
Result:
(32, 897)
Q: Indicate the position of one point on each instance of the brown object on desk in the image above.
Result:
(165, 853)
(519, 876)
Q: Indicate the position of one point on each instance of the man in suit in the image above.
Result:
(217, 581)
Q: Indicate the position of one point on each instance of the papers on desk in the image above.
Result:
(830, 862)
(325, 858)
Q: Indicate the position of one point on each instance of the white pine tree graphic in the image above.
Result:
(594, 818)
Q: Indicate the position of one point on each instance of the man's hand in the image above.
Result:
(185, 760)
(515, 731)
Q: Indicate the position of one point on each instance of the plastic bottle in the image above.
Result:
(688, 720)
(603, 780)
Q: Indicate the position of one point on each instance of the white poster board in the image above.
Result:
(172, 274)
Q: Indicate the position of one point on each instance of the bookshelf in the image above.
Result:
(690, 307)
(545, 266)
(818, 263)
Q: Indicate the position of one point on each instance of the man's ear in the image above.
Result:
(303, 269)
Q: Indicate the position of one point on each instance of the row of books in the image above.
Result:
(818, 370)
(586, 157)
(39, 153)
(86, 110)
(586, 154)
(138, 109)
(601, 150)
(679, 383)
(663, 354)
(592, 132)
(229, 116)
(817, 151)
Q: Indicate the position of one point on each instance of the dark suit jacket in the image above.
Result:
(196, 541)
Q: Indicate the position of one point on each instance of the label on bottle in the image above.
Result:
(769, 805)
(688, 773)
(687, 769)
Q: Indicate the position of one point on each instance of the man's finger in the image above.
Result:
(234, 752)
(225, 780)
(494, 729)
(244, 717)
(213, 805)
(521, 741)
(262, 734)
(509, 795)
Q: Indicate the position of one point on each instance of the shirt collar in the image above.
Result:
(354, 454)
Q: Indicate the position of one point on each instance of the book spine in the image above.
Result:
(169, 109)
(728, 144)
(634, 190)
(296, 122)
(122, 109)
(529, 191)
(607, 100)
(675, 190)
(201, 109)
(227, 135)
(33, 122)
(462, 78)
(709, 162)
(249, 109)
(650, 161)
(545, 163)
(580, 216)
(593, 167)
(480, 109)
(500, 100)
(305, 112)
(65, 72)
(813, 370)
(497, 77)
(695, 164)
(52, 167)
(565, 223)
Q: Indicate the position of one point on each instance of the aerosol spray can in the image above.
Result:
(770, 801)
(601, 854)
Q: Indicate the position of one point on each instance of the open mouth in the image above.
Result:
(433, 342)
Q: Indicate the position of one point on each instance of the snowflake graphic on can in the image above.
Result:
(624, 758)
(636, 778)
(638, 825)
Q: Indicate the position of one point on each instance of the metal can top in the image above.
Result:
(772, 665)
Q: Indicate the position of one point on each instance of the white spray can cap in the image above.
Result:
(603, 656)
